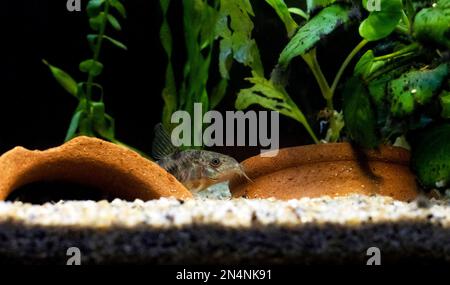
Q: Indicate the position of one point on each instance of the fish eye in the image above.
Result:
(215, 162)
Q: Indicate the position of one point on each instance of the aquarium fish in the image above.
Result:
(195, 169)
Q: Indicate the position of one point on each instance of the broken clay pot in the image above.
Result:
(113, 169)
(328, 170)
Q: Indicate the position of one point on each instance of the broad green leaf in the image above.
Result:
(378, 88)
(433, 24)
(445, 103)
(382, 23)
(315, 4)
(414, 88)
(74, 124)
(64, 79)
(116, 4)
(94, 7)
(431, 156)
(283, 12)
(92, 67)
(359, 115)
(273, 97)
(367, 65)
(116, 42)
(310, 34)
(114, 22)
(97, 21)
(234, 26)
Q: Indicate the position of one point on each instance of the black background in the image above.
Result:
(36, 111)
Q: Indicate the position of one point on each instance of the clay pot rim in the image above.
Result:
(296, 156)
(384, 153)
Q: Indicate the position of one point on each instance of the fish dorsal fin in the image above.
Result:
(162, 144)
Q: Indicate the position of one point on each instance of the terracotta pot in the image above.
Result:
(113, 169)
(328, 169)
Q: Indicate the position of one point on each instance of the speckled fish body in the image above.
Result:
(199, 169)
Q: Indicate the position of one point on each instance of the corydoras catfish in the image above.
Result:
(195, 169)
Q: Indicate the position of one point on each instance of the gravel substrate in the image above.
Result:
(204, 231)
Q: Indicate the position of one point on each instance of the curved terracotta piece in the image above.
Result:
(118, 171)
(328, 169)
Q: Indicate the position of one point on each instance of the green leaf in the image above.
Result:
(97, 21)
(414, 88)
(273, 97)
(360, 119)
(432, 24)
(108, 130)
(283, 12)
(234, 26)
(382, 23)
(116, 4)
(169, 93)
(116, 43)
(310, 34)
(114, 22)
(445, 103)
(92, 67)
(299, 12)
(315, 4)
(92, 40)
(64, 79)
(367, 65)
(103, 123)
(94, 7)
(74, 124)
(378, 88)
(431, 156)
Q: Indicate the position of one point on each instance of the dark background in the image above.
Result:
(36, 111)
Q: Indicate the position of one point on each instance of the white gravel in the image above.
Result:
(231, 231)
(168, 213)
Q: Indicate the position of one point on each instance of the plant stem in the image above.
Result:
(311, 59)
(406, 21)
(327, 91)
(345, 65)
(403, 52)
(300, 117)
(97, 50)
(402, 29)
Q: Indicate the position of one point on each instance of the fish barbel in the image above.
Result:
(195, 169)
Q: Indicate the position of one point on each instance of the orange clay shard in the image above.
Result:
(113, 169)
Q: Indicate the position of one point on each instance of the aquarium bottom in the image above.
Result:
(168, 231)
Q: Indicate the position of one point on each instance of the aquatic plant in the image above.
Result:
(398, 87)
(225, 25)
(90, 117)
